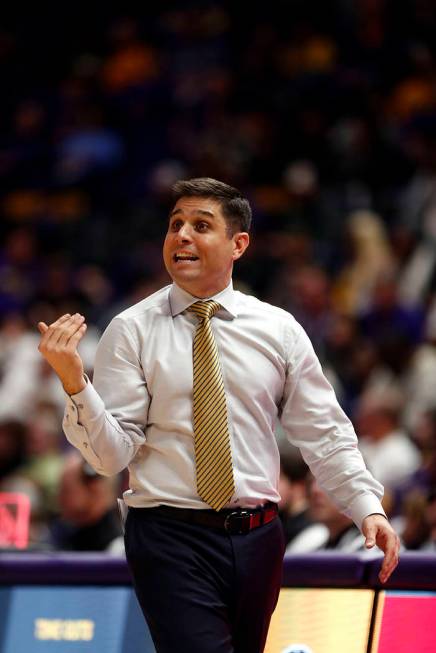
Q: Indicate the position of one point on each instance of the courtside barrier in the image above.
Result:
(330, 603)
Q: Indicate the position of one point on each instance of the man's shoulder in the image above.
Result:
(251, 304)
(148, 306)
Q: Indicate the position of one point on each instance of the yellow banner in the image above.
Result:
(321, 621)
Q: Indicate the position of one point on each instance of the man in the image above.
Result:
(186, 394)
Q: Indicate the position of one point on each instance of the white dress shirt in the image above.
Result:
(138, 411)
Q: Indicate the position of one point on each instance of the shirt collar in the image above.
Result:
(180, 300)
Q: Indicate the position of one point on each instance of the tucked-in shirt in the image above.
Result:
(138, 410)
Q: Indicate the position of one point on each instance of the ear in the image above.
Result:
(241, 240)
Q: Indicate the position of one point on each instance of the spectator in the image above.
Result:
(421, 373)
(424, 478)
(430, 514)
(293, 507)
(371, 257)
(88, 519)
(415, 528)
(12, 449)
(387, 449)
(331, 528)
(13, 436)
(44, 462)
(91, 142)
(394, 327)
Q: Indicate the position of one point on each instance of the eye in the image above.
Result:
(202, 226)
(175, 225)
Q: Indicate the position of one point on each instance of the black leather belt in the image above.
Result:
(235, 522)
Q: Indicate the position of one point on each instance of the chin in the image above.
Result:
(187, 277)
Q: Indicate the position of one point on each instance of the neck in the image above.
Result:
(205, 292)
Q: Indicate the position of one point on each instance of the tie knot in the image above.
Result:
(205, 310)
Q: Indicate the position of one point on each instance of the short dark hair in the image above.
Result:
(235, 207)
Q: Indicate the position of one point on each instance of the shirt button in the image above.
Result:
(79, 405)
(85, 444)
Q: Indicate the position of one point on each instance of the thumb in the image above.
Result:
(370, 538)
(42, 327)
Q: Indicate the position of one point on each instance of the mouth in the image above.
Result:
(180, 257)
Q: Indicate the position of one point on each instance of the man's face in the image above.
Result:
(198, 251)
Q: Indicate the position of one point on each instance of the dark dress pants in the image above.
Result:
(202, 590)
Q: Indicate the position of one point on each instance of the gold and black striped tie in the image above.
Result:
(213, 456)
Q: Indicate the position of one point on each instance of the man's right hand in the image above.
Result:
(58, 345)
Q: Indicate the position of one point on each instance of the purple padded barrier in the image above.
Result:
(323, 569)
(416, 571)
(62, 568)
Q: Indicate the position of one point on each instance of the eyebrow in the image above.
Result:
(208, 214)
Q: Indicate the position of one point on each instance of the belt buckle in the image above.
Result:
(238, 522)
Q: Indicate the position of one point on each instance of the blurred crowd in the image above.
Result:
(324, 114)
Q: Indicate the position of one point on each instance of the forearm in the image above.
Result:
(73, 386)
(343, 475)
(107, 443)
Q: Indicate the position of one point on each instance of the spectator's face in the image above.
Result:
(198, 251)
(373, 422)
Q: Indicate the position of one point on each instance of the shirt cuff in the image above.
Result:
(87, 403)
(364, 505)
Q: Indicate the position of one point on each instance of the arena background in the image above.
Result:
(323, 113)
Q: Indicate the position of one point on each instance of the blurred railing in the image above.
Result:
(321, 569)
(330, 602)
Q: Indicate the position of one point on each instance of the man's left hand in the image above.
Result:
(378, 531)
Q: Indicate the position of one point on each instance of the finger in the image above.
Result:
(48, 333)
(60, 320)
(57, 329)
(42, 326)
(390, 560)
(386, 572)
(77, 336)
(67, 331)
(370, 537)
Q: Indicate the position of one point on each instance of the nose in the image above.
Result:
(184, 234)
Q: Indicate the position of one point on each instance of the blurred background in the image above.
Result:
(324, 115)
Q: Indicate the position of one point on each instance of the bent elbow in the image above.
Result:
(109, 469)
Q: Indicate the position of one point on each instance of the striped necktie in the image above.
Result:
(213, 457)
